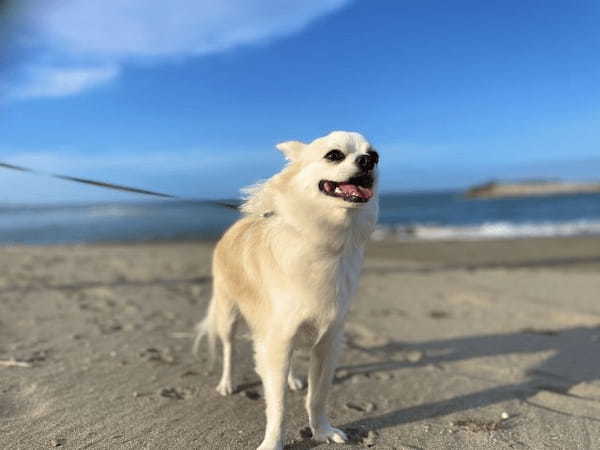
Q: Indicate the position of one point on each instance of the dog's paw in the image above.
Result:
(295, 383)
(330, 434)
(270, 446)
(225, 388)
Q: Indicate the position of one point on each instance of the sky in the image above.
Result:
(190, 96)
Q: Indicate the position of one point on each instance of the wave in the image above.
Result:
(116, 210)
(488, 230)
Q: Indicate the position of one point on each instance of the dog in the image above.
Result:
(290, 267)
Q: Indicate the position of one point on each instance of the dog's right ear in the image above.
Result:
(291, 149)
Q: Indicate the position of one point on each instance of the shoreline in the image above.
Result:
(386, 239)
(468, 252)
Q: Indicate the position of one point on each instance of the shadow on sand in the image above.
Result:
(575, 361)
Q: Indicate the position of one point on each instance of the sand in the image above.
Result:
(450, 346)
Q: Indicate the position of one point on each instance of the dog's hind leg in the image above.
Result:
(226, 318)
(272, 364)
(294, 383)
(322, 366)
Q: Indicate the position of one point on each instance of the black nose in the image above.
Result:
(365, 163)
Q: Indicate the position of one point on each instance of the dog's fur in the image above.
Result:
(290, 266)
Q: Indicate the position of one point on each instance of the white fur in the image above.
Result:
(290, 266)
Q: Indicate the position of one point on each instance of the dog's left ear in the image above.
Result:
(291, 149)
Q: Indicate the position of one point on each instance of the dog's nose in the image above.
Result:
(365, 163)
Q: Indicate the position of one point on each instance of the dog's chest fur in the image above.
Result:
(348, 271)
(319, 294)
(324, 273)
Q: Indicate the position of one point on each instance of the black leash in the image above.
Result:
(116, 187)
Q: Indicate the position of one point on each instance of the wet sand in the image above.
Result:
(467, 345)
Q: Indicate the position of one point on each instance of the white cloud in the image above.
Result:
(110, 33)
(59, 81)
(123, 28)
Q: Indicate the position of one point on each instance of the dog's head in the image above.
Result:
(340, 168)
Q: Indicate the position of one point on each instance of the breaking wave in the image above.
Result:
(490, 230)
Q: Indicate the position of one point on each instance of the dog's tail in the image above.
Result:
(207, 328)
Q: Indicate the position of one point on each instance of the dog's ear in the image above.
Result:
(291, 149)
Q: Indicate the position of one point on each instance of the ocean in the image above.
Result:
(411, 216)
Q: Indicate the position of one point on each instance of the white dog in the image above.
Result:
(290, 267)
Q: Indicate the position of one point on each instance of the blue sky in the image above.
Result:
(190, 98)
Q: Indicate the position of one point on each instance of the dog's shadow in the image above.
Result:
(575, 361)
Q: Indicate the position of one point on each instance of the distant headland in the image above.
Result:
(525, 188)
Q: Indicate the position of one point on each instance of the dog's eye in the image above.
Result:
(335, 155)
(374, 156)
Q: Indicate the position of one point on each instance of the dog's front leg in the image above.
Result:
(322, 366)
(272, 364)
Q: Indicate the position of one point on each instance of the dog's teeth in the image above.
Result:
(338, 190)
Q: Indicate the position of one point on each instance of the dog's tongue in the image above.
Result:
(359, 191)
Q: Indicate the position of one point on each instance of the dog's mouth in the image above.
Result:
(358, 189)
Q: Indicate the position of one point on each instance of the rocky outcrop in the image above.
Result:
(495, 189)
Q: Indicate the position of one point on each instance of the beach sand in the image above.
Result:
(468, 345)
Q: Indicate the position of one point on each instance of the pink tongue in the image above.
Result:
(351, 189)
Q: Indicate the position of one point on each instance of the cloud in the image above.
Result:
(59, 82)
(108, 34)
(135, 28)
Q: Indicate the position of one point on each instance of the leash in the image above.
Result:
(113, 186)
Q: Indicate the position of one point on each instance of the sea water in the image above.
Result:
(413, 216)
